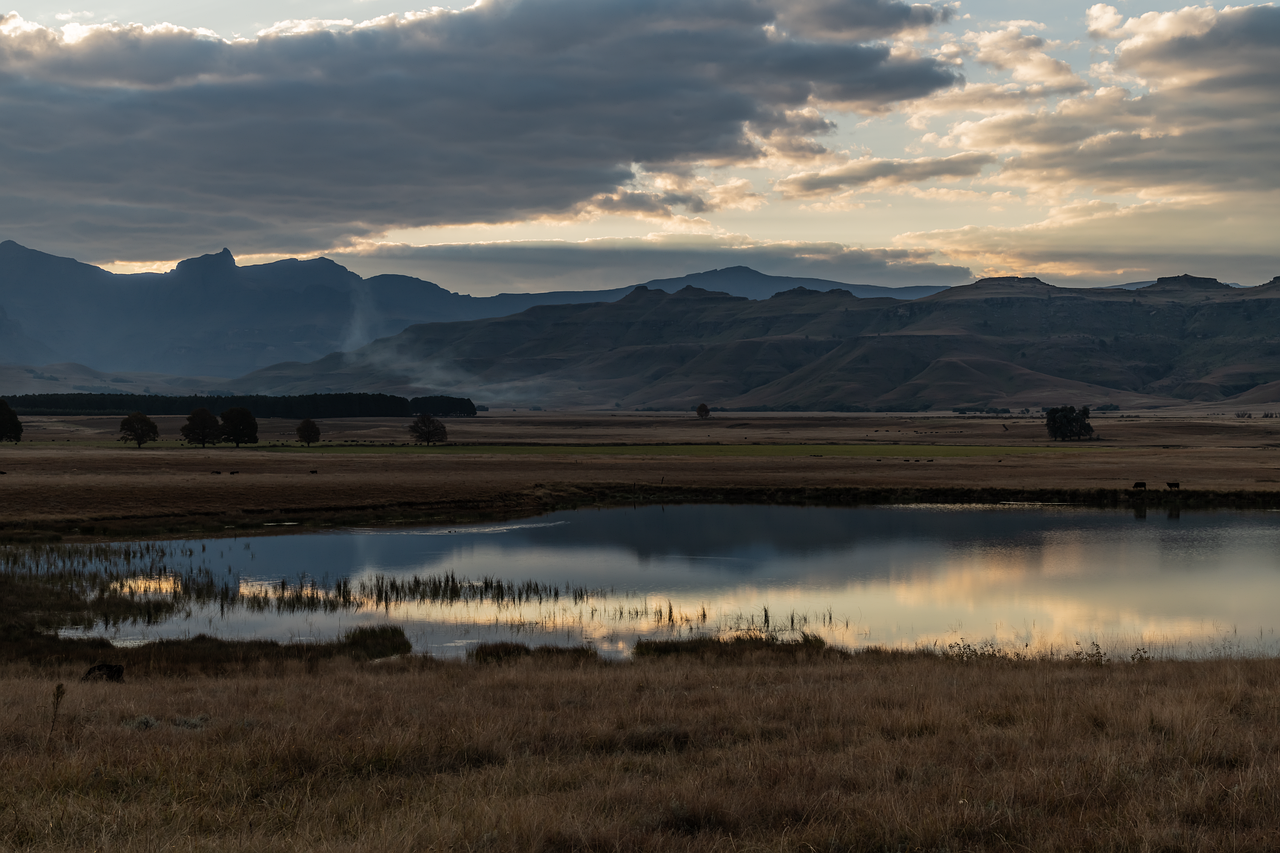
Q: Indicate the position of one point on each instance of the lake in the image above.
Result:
(1035, 577)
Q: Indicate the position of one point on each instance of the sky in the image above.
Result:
(530, 145)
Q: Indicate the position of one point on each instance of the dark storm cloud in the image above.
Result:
(869, 19)
(124, 142)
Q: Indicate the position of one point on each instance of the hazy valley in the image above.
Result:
(997, 343)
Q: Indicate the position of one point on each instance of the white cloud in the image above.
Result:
(1025, 56)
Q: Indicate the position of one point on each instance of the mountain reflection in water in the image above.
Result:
(1025, 576)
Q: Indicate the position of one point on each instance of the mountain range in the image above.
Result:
(1015, 342)
(210, 317)
(733, 338)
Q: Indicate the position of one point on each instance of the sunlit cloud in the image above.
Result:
(532, 265)
(875, 172)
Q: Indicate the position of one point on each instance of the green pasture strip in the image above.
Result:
(925, 451)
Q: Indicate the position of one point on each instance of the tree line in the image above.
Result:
(298, 406)
(236, 425)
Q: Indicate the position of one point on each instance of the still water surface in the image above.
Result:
(898, 576)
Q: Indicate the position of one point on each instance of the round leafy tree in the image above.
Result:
(703, 411)
(428, 429)
(202, 428)
(1064, 422)
(10, 426)
(239, 427)
(308, 432)
(139, 429)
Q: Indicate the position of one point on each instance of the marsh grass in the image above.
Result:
(51, 587)
(686, 750)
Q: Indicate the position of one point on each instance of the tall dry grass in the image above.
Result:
(774, 749)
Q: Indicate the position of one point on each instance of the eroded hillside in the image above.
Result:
(999, 342)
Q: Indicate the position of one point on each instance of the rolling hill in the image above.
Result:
(1015, 342)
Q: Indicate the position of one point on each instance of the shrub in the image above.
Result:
(377, 641)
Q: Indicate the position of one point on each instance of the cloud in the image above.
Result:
(1099, 242)
(861, 19)
(486, 268)
(121, 141)
(1024, 56)
(1206, 123)
(874, 172)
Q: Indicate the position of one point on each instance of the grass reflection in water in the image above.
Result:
(146, 583)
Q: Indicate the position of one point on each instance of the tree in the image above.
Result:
(10, 426)
(308, 432)
(138, 428)
(428, 429)
(703, 411)
(202, 428)
(239, 427)
(1064, 422)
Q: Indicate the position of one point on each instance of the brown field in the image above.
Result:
(784, 750)
(71, 476)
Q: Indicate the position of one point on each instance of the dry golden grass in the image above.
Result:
(780, 749)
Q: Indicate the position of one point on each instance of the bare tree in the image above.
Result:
(428, 429)
(308, 432)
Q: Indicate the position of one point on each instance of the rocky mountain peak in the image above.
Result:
(220, 262)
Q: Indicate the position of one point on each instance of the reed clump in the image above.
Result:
(866, 751)
(508, 652)
(742, 647)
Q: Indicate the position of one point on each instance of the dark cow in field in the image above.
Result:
(105, 672)
(1140, 485)
(1172, 485)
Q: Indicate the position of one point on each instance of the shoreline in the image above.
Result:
(556, 497)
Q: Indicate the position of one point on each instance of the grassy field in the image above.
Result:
(925, 451)
(749, 748)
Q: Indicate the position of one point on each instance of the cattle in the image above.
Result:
(105, 672)
(1140, 485)
(1172, 485)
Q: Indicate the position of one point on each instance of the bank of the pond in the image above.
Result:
(429, 508)
(772, 748)
(881, 450)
